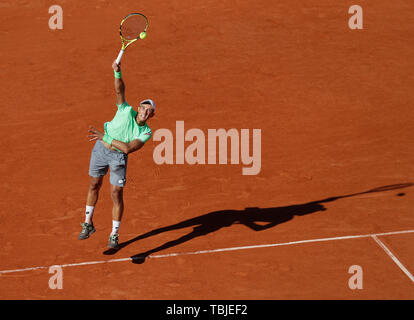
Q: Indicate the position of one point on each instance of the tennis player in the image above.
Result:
(126, 133)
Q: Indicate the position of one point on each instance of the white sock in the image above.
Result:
(115, 226)
(89, 214)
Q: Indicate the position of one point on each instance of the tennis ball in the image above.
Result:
(142, 35)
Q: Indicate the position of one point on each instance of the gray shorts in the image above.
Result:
(103, 158)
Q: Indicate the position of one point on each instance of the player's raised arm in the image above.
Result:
(119, 84)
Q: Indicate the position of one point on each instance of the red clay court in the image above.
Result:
(335, 109)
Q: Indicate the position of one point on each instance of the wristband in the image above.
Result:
(117, 74)
(107, 138)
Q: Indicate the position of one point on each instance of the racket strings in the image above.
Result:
(133, 26)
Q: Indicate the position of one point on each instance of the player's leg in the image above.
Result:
(95, 185)
(117, 211)
(118, 166)
(118, 205)
(98, 167)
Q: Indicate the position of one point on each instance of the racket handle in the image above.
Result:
(118, 60)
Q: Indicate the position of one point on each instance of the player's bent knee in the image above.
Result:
(95, 184)
(116, 193)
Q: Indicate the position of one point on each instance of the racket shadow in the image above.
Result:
(256, 219)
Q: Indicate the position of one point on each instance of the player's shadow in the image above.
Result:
(256, 219)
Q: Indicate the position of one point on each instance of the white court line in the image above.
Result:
(214, 250)
(394, 258)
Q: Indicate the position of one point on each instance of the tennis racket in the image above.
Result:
(132, 26)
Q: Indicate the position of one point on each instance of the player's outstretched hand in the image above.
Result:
(94, 134)
(116, 67)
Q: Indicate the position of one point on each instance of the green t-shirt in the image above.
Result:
(125, 128)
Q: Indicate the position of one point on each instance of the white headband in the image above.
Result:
(152, 103)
